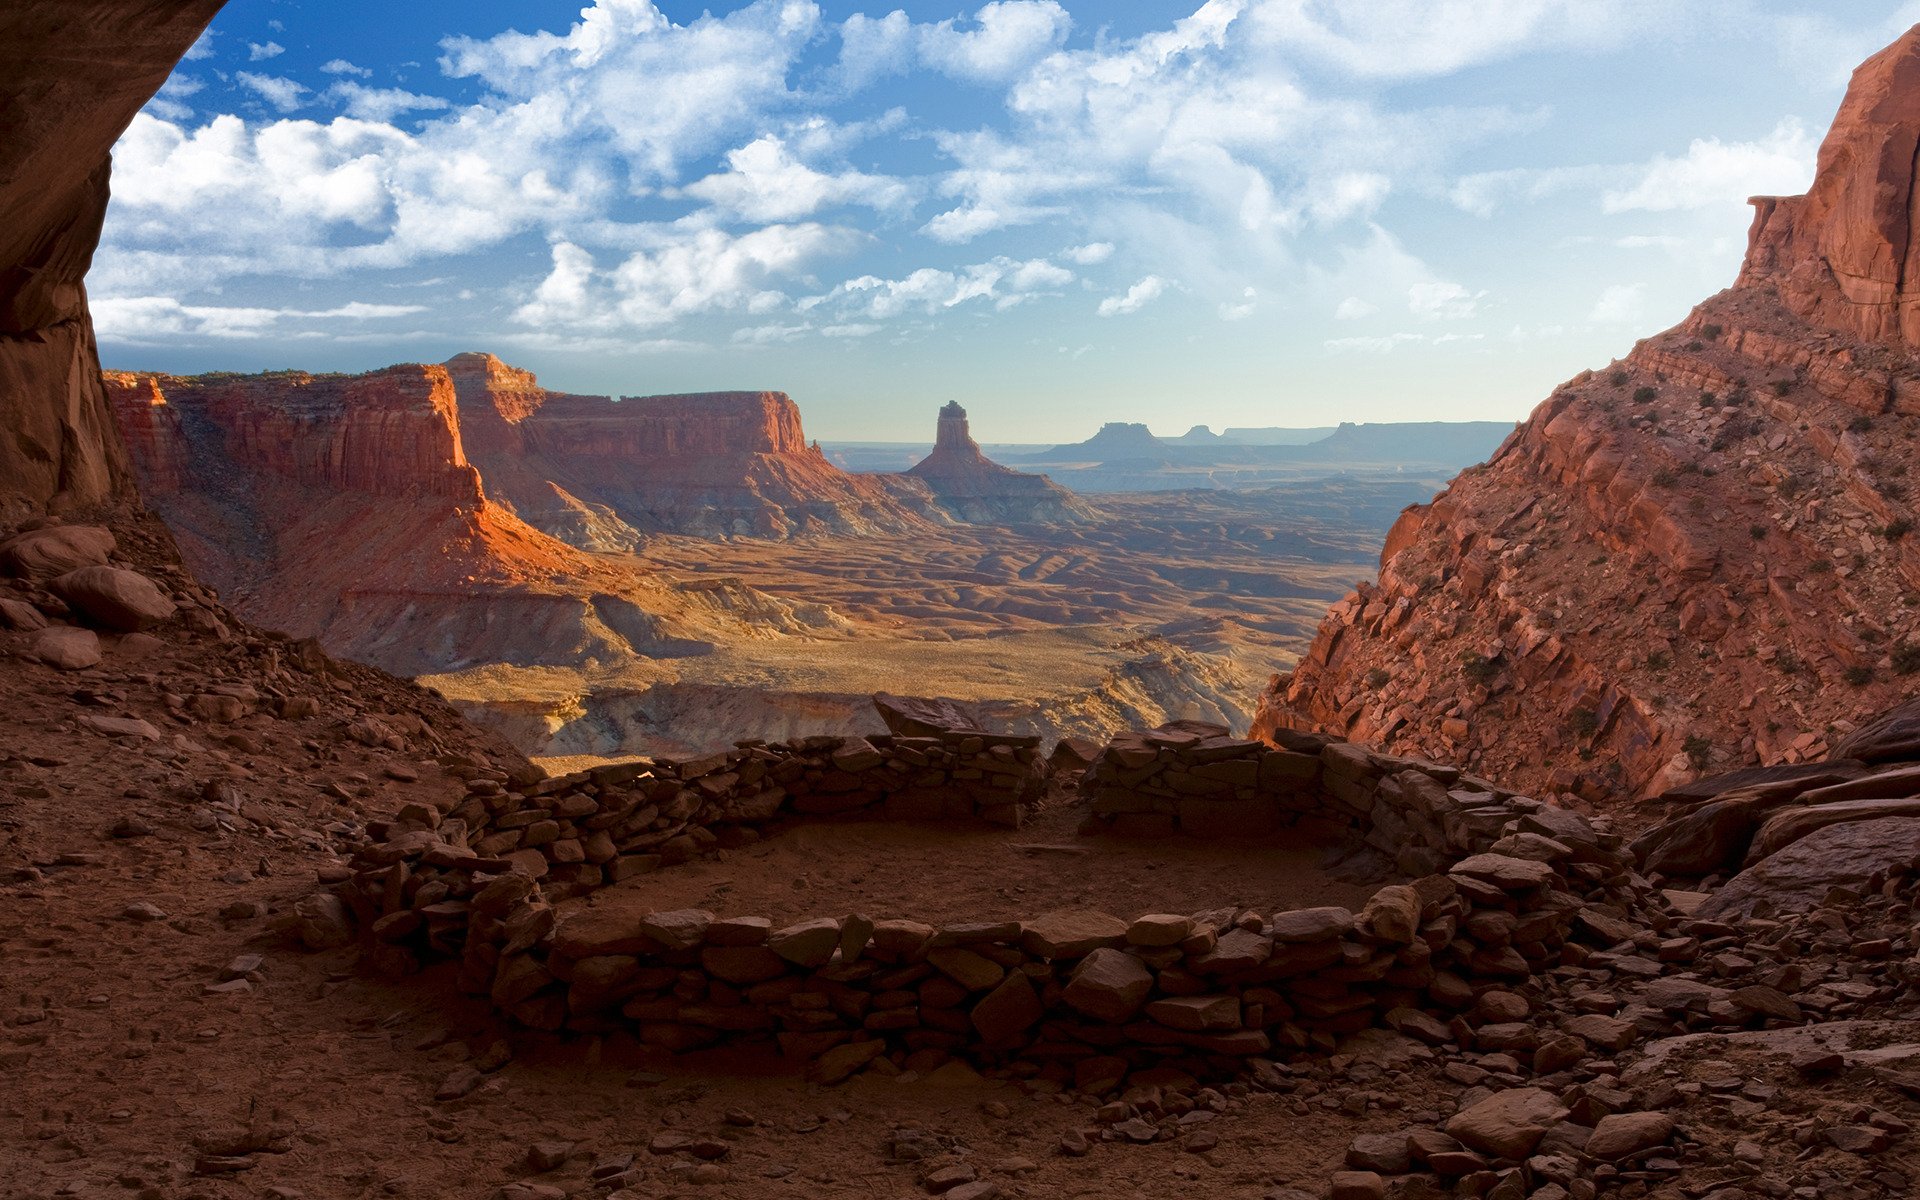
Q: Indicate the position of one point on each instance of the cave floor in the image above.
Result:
(944, 873)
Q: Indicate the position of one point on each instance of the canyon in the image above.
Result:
(1693, 559)
(279, 923)
(666, 574)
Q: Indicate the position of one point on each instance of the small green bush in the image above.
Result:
(1645, 394)
(1858, 676)
(1698, 751)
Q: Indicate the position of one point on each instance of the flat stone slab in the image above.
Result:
(1799, 877)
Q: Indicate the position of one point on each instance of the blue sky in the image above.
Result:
(1247, 212)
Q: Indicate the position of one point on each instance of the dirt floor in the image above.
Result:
(951, 873)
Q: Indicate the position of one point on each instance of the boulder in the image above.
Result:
(1508, 1124)
(1714, 837)
(680, 929)
(1311, 925)
(1783, 829)
(1622, 1135)
(66, 647)
(1891, 737)
(1798, 878)
(114, 597)
(918, 716)
(1007, 1011)
(808, 944)
(55, 550)
(1109, 985)
(1072, 933)
(1504, 871)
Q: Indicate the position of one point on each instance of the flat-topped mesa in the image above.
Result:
(392, 432)
(1843, 255)
(973, 487)
(670, 428)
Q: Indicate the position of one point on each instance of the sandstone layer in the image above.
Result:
(1697, 557)
(62, 114)
(345, 508)
(601, 474)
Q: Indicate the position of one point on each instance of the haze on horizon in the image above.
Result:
(1254, 212)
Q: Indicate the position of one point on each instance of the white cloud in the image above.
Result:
(687, 272)
(1007, 37)
(169, 103)
(340, 66)
(1353, 308)
(380, 104)
(1397, 39)
(202, 47)
(1135, 298)
(1387, 343)
(1621, 304)
(141, 318)
(1715, 172)
(1440, 300)
(1242, 310)
(1090, 254)
(258, 52)
(1003, 282)
(765, 182)
(284, 94)
(852, 330)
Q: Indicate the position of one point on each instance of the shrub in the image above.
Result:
(1906, 658)
(1897, 528)
(1820, 566)
(1859, 424)
(1757, 530)
(1645, 394)
(1584, 722)
(1782, 386)
(1618, 378)
(1787, 662)
(1708, 399)
(1664, 478)
(1696, 344)
(1710, 332)
(1477, 667)
(1698, 750)
(1659, 660)
(1858, 676)
(1377, 678)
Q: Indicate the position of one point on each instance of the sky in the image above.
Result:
(1236, 213)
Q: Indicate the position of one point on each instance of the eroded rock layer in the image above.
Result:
(1696, 558)
(600, 474)
(345, 508)
(976, 489)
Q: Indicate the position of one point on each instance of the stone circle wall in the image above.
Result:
(1070, 993)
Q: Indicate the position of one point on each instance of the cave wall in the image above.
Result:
(72, 75)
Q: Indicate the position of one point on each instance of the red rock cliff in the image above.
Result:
(1696, 558)
(72, 75)
(973, 487)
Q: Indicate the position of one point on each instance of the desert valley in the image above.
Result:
(420, 782)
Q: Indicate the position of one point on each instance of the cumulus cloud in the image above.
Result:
(764, 182)
(143, 318)
(1001, 283)
(258, 52)
(1440, 300)
(1715, 172)
(380, 104)
(709, 270)
(284, 94)
(340, 66)
(1002, 40)
(1091, 254)
(1135, 298)
(1353, 308)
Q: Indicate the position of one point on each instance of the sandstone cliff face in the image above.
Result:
(974, 488)
(344, 507)
(1699, 557)
(602, 474)
(72, 75)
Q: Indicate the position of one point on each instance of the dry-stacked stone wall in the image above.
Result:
(1524, 887)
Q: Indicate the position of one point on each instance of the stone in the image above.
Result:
(1007, 1012)
(842, 1061)
(548, 1156)
(972, 971)
(1393, 914)
(1788, 826)
(1799, 877)
(1507, 1124)
(66, 647)
(679, 929)
(807, 944)
(1387, 1153)
(1620, 1136)
(20, 616)
(1197, 1014)
(121, 727)
(1356, 1185)
(1159, 929)
(1071, 933)
(114, 597)
(1310, 925)
(901, 940)
(1108, 985)
(462, 1081)
(322, 921)
(742, 964)
(41, 554)
(1504, 871)
(1894, 736)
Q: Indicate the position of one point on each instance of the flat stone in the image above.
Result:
(808, 944)
(679, 929)
(1504, 871)
(972, 971)
(1159, 929)
(842, 1061)
(1108, 985)
(1197, 1014)
(1622, 1135)
(1007, 1012)
(1310, 925)
(1072, 933)
(742, 964)
(1799, 877)
(1508, 1124)
(114, 597)
(66, 647)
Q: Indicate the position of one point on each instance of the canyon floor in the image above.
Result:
(1169, 605)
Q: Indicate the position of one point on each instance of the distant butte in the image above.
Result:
(974, 488)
